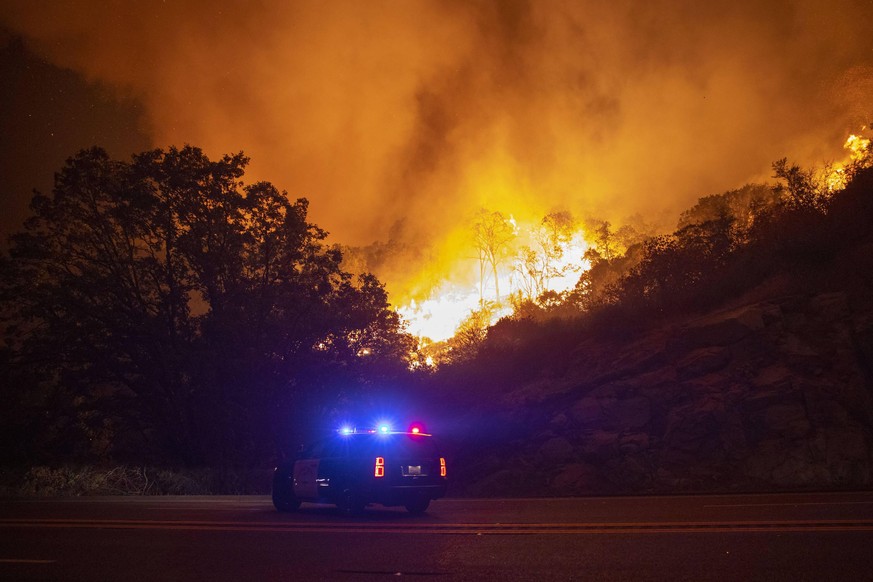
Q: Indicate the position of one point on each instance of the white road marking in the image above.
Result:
(792, 504)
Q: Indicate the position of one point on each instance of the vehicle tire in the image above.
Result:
(418, 506)
(283, 493)
(351, 503)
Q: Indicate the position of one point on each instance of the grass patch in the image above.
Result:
(77, 481)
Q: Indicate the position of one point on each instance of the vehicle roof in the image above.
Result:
(373, 432)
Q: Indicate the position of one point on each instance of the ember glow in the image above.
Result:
(521, 270)
(858, 147)
(857, 152)
(438, 316)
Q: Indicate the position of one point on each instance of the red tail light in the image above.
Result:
(442, 467)
(380, 467)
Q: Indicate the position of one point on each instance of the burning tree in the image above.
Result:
(555, 232)
(537, 264)
(492, 233)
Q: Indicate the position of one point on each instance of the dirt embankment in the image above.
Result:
(771, 396)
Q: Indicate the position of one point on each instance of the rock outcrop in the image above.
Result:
(775, 395)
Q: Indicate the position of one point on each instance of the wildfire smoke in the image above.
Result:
(399, 120)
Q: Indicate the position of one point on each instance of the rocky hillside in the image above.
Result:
(774, 395)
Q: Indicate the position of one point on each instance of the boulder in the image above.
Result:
(721, 329)
(627, 413)
(578, 478)
(702, 361)
(599, 444)
(586, 413)
(555, 450)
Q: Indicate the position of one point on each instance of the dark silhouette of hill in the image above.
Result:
(733, 355)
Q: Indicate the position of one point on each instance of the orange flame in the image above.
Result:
(438, 317)
(859, 154)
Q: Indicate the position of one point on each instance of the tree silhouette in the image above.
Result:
(802, 188)
(492, 233)
(194, 315)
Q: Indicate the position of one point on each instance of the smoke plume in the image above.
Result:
(398, 119)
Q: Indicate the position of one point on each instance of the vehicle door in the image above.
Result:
(306, 473)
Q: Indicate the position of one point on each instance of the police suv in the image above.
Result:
(354, 468)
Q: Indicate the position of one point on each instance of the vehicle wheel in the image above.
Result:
(418, 506)
(351, 503)
(283, 494)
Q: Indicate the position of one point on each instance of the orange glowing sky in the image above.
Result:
(399, 119)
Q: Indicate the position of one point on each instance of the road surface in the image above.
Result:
(749, 537)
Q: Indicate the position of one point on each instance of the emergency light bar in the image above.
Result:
(383, 429)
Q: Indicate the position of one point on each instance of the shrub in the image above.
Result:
(76, 481)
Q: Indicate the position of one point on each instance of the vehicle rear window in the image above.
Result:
(392, 444)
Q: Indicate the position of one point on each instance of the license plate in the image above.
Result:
(413, 470)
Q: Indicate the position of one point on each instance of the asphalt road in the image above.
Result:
(752, 537)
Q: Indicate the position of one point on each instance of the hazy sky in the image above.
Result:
(399, 119)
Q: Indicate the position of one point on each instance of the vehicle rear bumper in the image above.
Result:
(403, 494)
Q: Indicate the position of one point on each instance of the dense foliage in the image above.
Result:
(553, 394)
(797, 236)
(159, 310)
